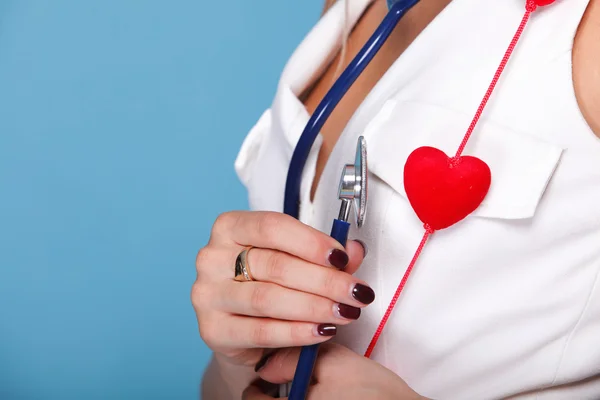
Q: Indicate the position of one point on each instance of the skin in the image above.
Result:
(296, 290)
(403, 35)
(298, 287)
(361, 379)
(586, 66)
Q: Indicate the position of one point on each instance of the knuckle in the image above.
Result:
(314, 310)
(269, 225)
(329, 282)
(262, 334)
(299, 333)
(224, 222)
(202, 258)
(260, 299)
(200, 294)
(275, 266)
(317, 242)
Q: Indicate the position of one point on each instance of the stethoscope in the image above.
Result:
(353, 182)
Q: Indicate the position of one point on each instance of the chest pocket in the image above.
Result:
(521, 164)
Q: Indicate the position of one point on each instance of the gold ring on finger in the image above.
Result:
(242, 267)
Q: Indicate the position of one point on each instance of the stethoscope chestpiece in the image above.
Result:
(353, 185)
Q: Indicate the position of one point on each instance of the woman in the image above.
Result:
(504, 304)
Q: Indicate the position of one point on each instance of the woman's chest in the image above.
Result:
(585, 68)
(403, 35)
(505, 301)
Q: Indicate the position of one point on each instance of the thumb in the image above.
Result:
(281, 366)
(356, 251)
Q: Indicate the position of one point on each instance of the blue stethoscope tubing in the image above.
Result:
(339, 230)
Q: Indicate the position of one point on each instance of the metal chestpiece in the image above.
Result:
(353, 186)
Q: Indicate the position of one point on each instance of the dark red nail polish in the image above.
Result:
(348, 312)
(263, 361)
(326, 330)
(363, 293)
(338, 258)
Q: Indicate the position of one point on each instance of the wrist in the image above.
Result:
(227, 377)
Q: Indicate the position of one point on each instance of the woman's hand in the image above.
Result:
(303, 287)
(339, 374)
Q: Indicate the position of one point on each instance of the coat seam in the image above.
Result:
(576, 326)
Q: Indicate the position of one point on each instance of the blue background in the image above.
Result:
(119, 124)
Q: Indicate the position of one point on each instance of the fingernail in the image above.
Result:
(364, 246)
(263, 361)
(326, 330)
(338, 258)
(363, 293)
(346, 311)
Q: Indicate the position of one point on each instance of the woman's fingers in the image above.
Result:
(297, 298)
(280, 367)
(238, 332)
(295, 273)
(261, 299)
(281, 232)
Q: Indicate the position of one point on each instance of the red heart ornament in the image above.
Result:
(532, 5)
(444, 190)
(542, 3)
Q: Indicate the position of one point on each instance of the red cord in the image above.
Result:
(530, 7)
(428, 232)
(492, 86)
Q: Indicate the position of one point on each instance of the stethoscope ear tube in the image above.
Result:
(291, 203)
(357, 195)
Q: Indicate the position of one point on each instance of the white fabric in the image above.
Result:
(505, 303)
